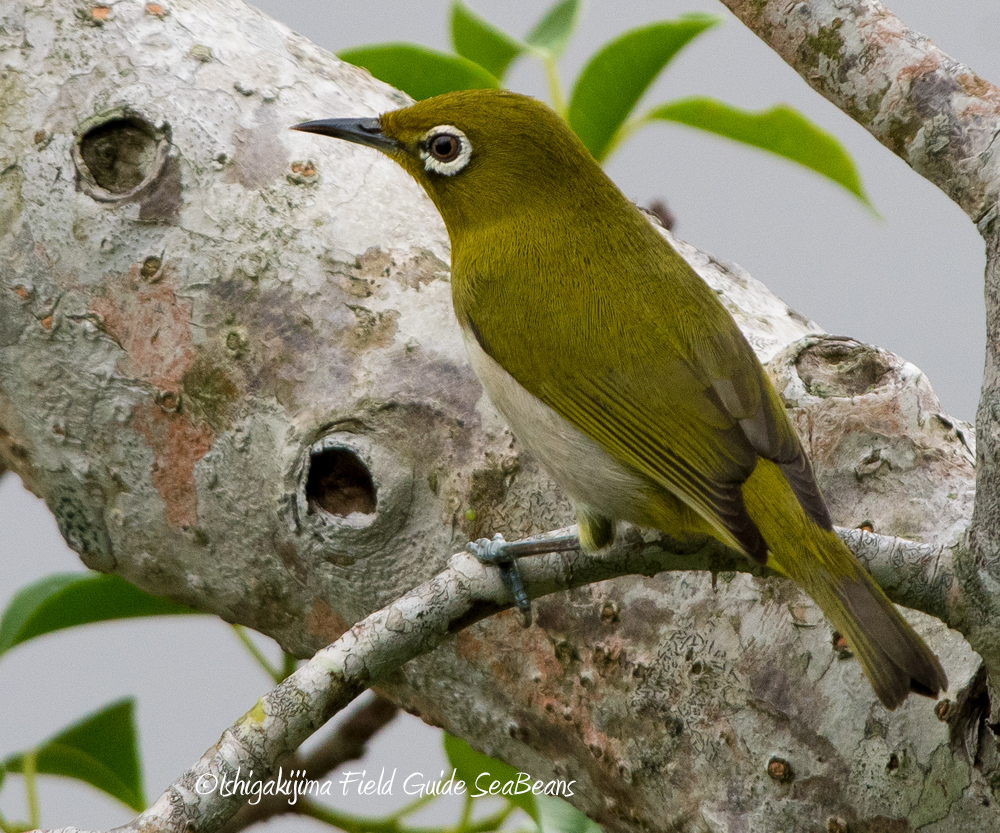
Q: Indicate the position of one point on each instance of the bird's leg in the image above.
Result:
(504, 554)
(498, 553)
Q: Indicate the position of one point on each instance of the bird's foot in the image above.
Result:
(504, 554)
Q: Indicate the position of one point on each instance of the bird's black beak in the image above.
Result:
(366, 132)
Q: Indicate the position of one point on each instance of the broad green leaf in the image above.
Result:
(616, 77)
(419, 72)
(99, 750)
(553, 31)
(556, 815)
(482, 42)
(470, 766)
(64, 600)
(780, 130)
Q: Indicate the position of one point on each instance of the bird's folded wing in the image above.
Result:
(691, 412)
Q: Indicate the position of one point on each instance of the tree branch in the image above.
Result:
(462, 594)
(347, 742)
(943, 120)
(918, 576)
(258, 337)
(930, 110)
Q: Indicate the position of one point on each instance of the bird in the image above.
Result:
(618, 367)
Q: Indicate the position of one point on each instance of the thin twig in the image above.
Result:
(420, 620)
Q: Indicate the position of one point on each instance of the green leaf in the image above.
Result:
(780, 130)
(417, 71)
(470, 765)
(482, 42)
(553, 31)
(559, 816)
(64, 600)
(99, 750)
(616, 77)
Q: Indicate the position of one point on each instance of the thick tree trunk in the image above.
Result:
(228, 364)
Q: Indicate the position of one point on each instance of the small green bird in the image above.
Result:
(618, 367)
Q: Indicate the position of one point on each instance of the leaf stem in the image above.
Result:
(276, 674)
(290, 663)
(11, 826)
(29, 769)
(466, 817)
(345, 821)
(412, 807)
(488, 823)
(555, 88)
(391, 823)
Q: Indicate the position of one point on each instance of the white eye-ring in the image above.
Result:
(445, 150)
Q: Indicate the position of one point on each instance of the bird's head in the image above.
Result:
(481, 155)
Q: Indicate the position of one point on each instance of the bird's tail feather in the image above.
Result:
(894, 658)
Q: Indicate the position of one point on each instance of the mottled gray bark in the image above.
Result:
(228, 364)
(943, 120)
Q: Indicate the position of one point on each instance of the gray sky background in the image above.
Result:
(910, 282)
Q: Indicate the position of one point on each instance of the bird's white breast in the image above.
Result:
(588, 474)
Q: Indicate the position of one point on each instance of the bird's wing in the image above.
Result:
(726, 361)
(675, 391)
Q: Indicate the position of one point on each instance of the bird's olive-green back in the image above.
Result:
(573, 292)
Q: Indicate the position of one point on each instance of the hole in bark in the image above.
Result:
(842, 367)
(339, 483)
(119, 155)
(780, 770)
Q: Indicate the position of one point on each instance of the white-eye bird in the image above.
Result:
(618, 367)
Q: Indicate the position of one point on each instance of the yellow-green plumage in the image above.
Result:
(619, 367)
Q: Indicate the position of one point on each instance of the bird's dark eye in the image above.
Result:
(445, 150)
(444, 147)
